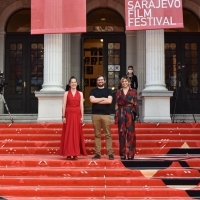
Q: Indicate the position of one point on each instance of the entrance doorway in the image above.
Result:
(103, 54)
(23, 72)
(103, 51)
(183, 48)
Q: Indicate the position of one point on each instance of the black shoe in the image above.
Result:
(111, 157)
(132, 158)
(96, 156)
(123, 157)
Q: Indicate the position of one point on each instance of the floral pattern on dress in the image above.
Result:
(125, 104)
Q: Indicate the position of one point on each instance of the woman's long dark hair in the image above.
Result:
(68, 86)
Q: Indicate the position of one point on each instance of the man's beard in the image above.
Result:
(100, 85)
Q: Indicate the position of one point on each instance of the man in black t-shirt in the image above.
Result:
(101, 98)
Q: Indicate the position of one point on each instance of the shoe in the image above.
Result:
(123, 157)
(96, 156)
(132, 158)
(75, 158)
(111, 157)
(68, 158)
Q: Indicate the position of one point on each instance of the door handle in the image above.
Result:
(24, 84)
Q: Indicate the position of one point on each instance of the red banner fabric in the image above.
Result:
(153, 14)
(58, 16)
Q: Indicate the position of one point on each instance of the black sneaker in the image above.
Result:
(96, 156)
(111, 157)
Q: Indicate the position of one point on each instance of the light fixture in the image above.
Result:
(101, 40)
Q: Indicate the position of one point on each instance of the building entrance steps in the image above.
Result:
(166, 165)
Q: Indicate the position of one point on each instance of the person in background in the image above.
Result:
(72, 141)
(101, 98)
(125, 106)
(132, 77)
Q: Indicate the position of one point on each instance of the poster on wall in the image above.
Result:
(153, 14)
(58, 16)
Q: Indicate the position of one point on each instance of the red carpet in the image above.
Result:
(166, 166)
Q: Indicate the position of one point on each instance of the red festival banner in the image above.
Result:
(153, 14)
(58, 16)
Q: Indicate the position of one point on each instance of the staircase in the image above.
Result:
(166, 165)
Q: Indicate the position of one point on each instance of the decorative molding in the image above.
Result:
(2, 3)
(103, 3)
(26, 3)
(195, 1)
(8, 2)
(103, 29)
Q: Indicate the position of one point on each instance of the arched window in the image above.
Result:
(105, 20)
(191, 23)
(20, 21)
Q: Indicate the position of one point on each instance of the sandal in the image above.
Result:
(68, 158)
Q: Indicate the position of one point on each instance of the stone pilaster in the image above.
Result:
(155, 96)
(66, 66)
(141, 59)
(76, 57)
(130, 52)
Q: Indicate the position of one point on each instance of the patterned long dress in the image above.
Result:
(125, 104)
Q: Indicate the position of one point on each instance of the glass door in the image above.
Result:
(23, 72)
(103, 55)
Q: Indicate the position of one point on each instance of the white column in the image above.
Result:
(66, 66)
(2, 55)
(155, 96)
(52, 62)
(51, 95)
(155, 60)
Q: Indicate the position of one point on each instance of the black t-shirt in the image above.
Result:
(102, 109)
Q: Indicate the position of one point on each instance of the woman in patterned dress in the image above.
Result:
(126, 103)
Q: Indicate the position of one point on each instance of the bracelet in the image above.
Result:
(63, 116)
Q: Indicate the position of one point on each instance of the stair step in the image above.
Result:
(90, 143)
(37, 191)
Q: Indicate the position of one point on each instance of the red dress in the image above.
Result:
(72, 141)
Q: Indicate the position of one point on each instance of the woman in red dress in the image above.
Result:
(72, 141)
